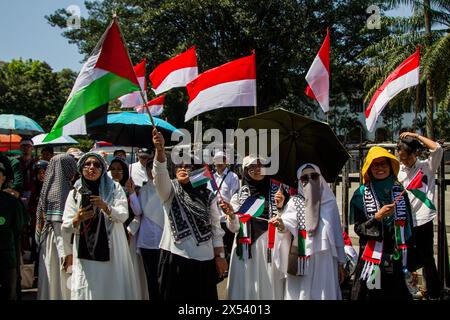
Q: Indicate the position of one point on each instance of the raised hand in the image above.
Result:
(279, 199)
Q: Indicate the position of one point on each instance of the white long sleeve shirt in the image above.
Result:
(420, 212)
(187, 248)
(228, 187)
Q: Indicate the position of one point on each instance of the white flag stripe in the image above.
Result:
(87, 75)
(318, 80)
(390, 91)
(177, 78)
(78, 126)
(255, 206)
(228, 94)
(134, 99)
(377, 250)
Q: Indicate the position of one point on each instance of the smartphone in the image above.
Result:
(85, 198)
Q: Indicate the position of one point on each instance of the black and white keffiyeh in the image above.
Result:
(190, 213)
(56, 188)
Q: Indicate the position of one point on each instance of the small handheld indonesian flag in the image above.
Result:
(230, 85)
(134, 99)
(155, 106)
(176, 72)
(252, 207)
(318, 76)
(404, 76)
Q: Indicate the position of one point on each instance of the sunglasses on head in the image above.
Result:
(88, 164)
(304, 178)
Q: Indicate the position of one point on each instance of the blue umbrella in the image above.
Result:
(130, 129)
(18, 124)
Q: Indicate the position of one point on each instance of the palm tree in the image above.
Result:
(427, 28)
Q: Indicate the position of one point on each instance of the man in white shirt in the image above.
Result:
(138, 171)
(228, 183)
(422, 201)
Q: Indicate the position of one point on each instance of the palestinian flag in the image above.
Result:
(252, 207)
(416, 187)
(106, 75)
(200, 176)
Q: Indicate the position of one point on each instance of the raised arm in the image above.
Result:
(160, 174)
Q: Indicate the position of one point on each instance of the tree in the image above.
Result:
(405, 34)
(286, 36)
(32, 89)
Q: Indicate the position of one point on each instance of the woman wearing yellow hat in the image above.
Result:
(384, 231)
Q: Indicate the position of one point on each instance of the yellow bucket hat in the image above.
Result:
(375, 153)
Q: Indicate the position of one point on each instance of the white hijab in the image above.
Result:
(329, 232)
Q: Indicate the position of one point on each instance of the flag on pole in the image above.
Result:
(252, 207)
(106, 75)
(134, 99)
(404, 76)
(417, 188)
(176, 72)
(416, 182)
(230, 85)
(155, 106)
(199, 177)
(318, 76)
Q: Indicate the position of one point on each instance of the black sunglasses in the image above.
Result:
(309, 176)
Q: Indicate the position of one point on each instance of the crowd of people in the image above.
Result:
(96, 230)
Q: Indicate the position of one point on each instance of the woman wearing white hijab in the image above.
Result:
(311, 254)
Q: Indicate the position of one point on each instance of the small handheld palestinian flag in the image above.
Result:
(416, 183)
(414, 187)
(252, 207)
(199, 177)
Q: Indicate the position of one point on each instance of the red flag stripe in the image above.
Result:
(186, 59)
(240, 69)
(157, 101)
(114, 57)
(411, 63)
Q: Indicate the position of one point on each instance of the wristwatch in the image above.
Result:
(221, 255)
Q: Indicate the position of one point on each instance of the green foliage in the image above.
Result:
(286, 36)
(32, 89)
(84, 144)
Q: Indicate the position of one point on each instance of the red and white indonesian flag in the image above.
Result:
(155, 106)
(106, 75)
(134, 99)
(176, 72)
(404, 76)
(230, 85)
(318, 76)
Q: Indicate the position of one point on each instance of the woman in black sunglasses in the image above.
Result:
(94, 213)
(311, 254)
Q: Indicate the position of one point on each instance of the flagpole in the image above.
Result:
(115, 17)
(399, 196)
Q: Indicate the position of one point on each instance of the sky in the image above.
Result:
(26, 34)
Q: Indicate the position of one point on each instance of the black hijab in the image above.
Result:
(124, 165)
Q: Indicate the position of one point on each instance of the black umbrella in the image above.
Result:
(130, 129)
(301, 140)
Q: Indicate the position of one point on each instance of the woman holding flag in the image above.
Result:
(192, 254)
(252, 276)
(382, 217)
(311, 255)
